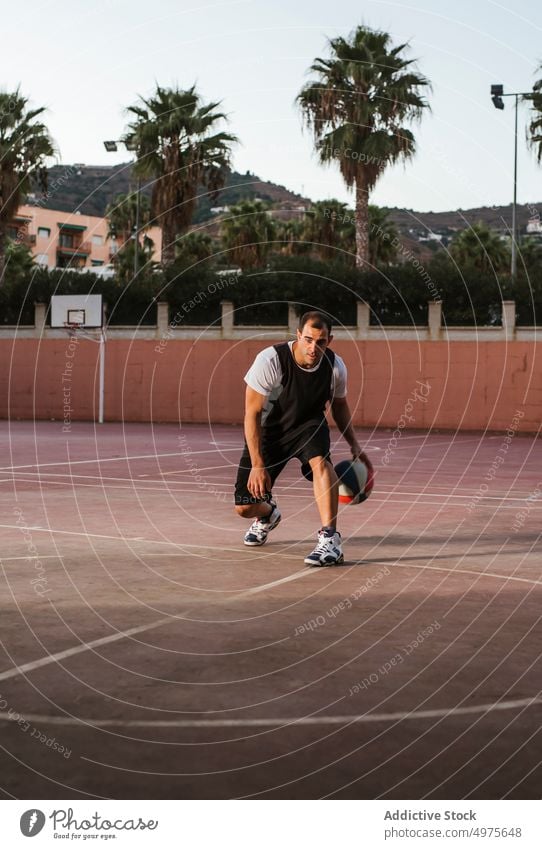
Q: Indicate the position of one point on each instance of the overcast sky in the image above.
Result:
(87, 61)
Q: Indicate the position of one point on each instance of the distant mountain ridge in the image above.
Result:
(90, 188)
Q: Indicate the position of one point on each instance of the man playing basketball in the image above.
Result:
(288, 388)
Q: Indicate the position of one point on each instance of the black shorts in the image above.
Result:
(312, 442)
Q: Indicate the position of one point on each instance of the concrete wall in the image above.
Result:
(472, 384)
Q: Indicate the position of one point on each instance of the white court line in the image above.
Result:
(109, 459)
(284, 490)
(453, 571)
(512, 704)
(383, 489)
(181, 545)
(433, 444)
(450, 569)
(174, 487)
(33, 557)
(361, 562)
(15, 671)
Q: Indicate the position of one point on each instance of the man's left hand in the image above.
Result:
(359, 454)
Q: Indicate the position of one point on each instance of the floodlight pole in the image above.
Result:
(136, 234)
(514, 262)
(496, 94)
(101, 389)
(111, 147)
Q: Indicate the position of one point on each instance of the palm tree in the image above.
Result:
(194, 248)
(535, 127)
(290, 233)
(329, 227)
(121, 215)
(480, 248)
(357, 110)
(382, 235)
(174, 135)
(247, 232)
(25, 145)
(124, 261)
(530, 255)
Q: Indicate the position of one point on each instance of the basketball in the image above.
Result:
(356, 481)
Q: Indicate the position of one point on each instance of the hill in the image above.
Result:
(91, 188)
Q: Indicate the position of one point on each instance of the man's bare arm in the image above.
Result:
(259, 482)
(343, 418)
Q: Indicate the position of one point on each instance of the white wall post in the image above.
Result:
(292, 319)
(227, 318)
(40, 311)
(435, 319)
(363, 319)
(162, 319)
(509, 319)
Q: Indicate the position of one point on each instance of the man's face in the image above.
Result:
(311, 344)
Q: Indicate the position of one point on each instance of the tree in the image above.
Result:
(25, 145)
(357, 110)
(534, 133)
(382, 234)
(247, 232)
(124, 261)
(480, 248)
(530, 255)
(18, 262)
(329, 228)
(121, 215)
(290, 234)
(194, 248)
(174, 135)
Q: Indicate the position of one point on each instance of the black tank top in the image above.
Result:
(303, 398)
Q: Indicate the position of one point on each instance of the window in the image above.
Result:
(65, 240)
(97, 240)
(42, 259)
(44, 232)
(96, 262)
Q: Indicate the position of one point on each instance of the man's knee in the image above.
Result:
(320, 465)
(247, 511)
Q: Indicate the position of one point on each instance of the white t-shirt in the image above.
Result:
(265, 376)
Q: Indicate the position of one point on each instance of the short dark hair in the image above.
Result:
(315, 319)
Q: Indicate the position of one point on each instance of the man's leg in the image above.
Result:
(326, 490)
(328, 551)
(265, 512)
(253, 511)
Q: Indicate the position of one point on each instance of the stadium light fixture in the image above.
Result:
(130, 144)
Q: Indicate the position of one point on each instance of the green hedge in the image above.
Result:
(397, 295)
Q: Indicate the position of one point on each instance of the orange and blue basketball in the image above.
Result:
(356, 481)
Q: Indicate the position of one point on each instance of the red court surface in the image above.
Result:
(148, 654)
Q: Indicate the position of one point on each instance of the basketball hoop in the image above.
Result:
(72, 327)
(83, 315)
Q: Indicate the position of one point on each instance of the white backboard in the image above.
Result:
(82, 310)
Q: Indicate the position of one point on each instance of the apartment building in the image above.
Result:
(69, 239)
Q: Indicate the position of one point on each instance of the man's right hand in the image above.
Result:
(259, 482)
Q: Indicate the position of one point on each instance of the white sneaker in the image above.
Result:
(259, 529)
(328, 551)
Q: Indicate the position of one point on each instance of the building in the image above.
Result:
(534, 226)
(69, 239)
